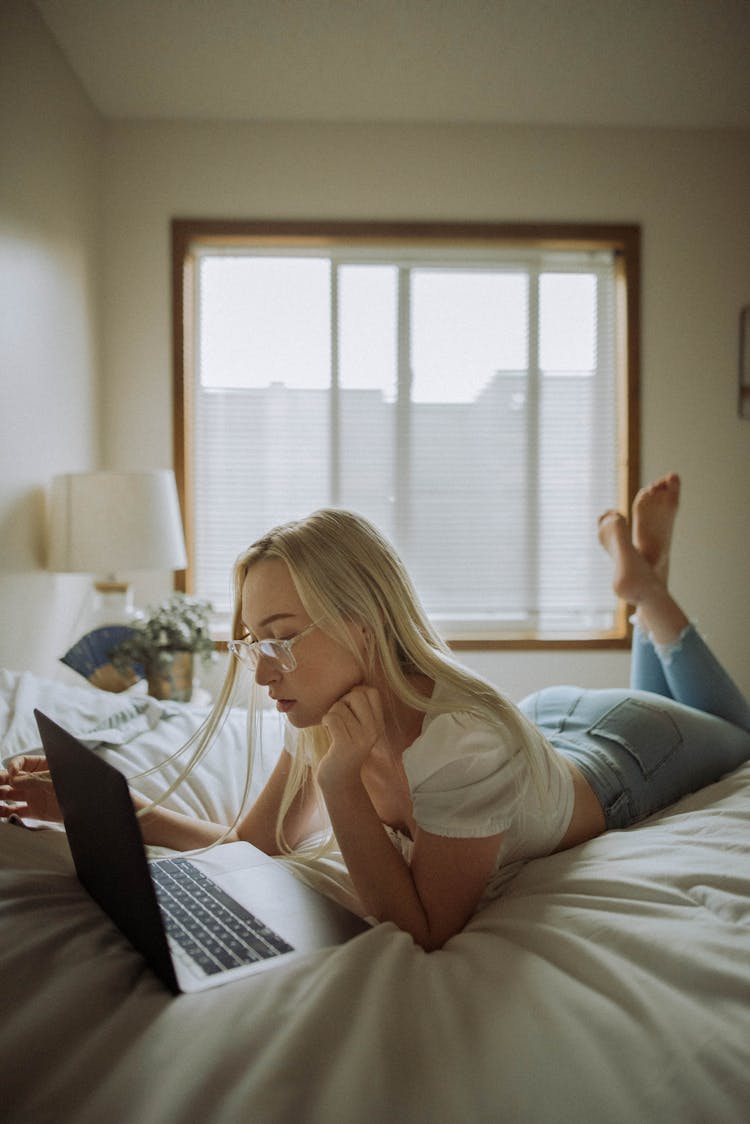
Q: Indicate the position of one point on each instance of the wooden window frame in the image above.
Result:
(624, 240)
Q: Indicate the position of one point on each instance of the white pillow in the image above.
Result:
(136, 733)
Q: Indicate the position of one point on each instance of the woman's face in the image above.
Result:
(326, 670)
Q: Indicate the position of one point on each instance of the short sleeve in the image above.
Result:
(466, 778)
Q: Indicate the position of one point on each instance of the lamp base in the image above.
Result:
(112, 604)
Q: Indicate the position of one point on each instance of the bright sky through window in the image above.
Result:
(267, 320)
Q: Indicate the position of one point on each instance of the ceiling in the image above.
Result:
(673, 63)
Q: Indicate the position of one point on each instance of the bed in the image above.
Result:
(609, 983)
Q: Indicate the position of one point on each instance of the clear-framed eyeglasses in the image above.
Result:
(249, 652)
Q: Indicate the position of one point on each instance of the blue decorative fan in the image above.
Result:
(93, 653)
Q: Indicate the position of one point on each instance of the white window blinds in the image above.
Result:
(466, 400)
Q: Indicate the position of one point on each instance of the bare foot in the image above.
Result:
(634, 578)
(654, 511)
(636, 581)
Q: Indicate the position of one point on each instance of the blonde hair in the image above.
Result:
(344, 571)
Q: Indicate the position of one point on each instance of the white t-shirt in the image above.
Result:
(468, 780)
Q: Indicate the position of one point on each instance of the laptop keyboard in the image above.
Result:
(214, 930)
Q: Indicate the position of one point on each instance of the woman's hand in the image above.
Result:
(355, 724)
(26, 783)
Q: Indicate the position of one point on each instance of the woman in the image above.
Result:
(386, 730)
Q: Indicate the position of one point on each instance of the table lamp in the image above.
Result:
(103, 523)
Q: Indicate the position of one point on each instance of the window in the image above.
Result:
(470, 389)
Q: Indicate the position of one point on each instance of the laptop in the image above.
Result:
(199, 921)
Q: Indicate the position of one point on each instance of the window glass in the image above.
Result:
(467, 400)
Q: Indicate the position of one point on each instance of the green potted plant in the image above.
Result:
(163, 645)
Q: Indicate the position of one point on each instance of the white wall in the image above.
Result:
(50, 139)
(687, 189)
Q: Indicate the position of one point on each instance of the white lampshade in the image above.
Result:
(105, 522)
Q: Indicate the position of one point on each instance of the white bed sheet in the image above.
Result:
(609, 983)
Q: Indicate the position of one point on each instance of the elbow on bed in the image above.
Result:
(432, 945)
(430, 940)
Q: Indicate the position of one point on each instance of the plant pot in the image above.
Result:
(174, 677)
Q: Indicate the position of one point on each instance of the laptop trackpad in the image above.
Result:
(304, 918)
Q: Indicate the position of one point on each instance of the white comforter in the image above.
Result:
(610, 983)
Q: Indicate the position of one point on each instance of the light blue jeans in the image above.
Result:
(682, 724)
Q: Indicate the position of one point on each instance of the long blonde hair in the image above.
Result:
(344, 571)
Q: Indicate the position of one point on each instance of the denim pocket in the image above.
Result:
(648, 733)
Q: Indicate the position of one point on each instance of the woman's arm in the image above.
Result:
(173, 829)
(26, 789)
(28, 786)
(302, 818)
(434, 897)
(161, 827)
